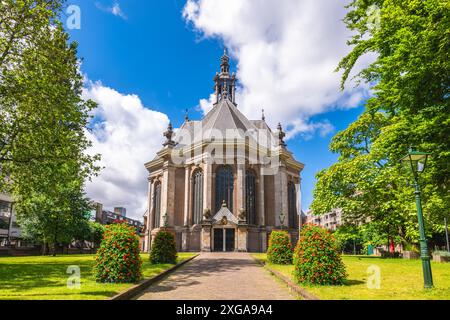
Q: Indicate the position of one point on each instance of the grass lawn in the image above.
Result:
(45, 278)
(400, 280)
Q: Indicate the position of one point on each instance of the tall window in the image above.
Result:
(197, 196)
(292, 204)
(157, 205)
(250, 196)
(224, 187)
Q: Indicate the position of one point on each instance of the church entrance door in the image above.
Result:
(224, 240)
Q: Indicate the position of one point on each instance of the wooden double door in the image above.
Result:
(224, 240)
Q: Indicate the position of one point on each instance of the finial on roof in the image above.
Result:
(169, 135)
(186, 116)
(263, 118)
(225, 65)
(281, 136)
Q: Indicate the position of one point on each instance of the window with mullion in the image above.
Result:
(157, 205)
(197, 197)
(224, 187)
(250, 196)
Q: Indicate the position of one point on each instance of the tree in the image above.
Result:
(316, 258)
(43, 160)
(409, 107)
(118, 259)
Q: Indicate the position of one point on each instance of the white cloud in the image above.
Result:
(287, 52)
(114, 9)
(127, 135)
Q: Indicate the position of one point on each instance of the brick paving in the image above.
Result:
(219, 276)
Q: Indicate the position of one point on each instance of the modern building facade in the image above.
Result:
(10, 232)
(106, 217)
(223, 183)
(330, 221)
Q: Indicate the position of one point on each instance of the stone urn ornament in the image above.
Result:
(207, 214)
(242, 215)
(224, 221)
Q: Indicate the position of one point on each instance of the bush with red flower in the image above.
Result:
(118, 259)
(317, 260)
(280, 248)
(163, 249)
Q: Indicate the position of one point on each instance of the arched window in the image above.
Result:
(224, 187)
(250, 196)
(292, 205)
(157, 205)
(197, 196)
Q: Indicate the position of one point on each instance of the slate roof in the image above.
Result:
(222, 117)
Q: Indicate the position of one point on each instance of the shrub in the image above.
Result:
(317, 259)
(163, 249)
(280, 248)
(118, 258)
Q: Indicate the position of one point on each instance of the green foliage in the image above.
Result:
(96, 232)
(347, 234)
(43, 122)
(317, 259)
(280, 248)
(409, 107)
(163, 249)
(118, 259)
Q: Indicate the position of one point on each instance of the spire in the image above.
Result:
(225, 65)
(225, 83)
(281, 136)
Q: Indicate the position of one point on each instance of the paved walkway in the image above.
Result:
(219, 276)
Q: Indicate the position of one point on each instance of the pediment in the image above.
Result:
(224, 213)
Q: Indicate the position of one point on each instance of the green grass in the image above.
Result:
(400, 280)
(45, 278)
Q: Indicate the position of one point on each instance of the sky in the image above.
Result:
(146, 62)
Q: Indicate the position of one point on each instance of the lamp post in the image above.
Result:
(166, 220)
(418, 161)
(282, 217)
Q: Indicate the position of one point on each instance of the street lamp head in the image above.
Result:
(282, 217)
(417, 160)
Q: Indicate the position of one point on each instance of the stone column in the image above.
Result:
(150, 215)
(187, 205)
(284, 195)
(206, 236)
(187, 194)
(242, 236)
(260, 198)
(262, 211)
(168, 196)
(240, 189)
(278, 197)
(207, 187)
(298, 191)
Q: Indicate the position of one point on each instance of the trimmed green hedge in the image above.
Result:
(280, 248)
(118, 259)
(163, 249)
(317, 259)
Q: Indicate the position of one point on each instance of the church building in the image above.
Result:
(223, 183)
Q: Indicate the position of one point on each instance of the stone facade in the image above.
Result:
(224, 182)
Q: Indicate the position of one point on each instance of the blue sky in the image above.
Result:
(149, 55)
